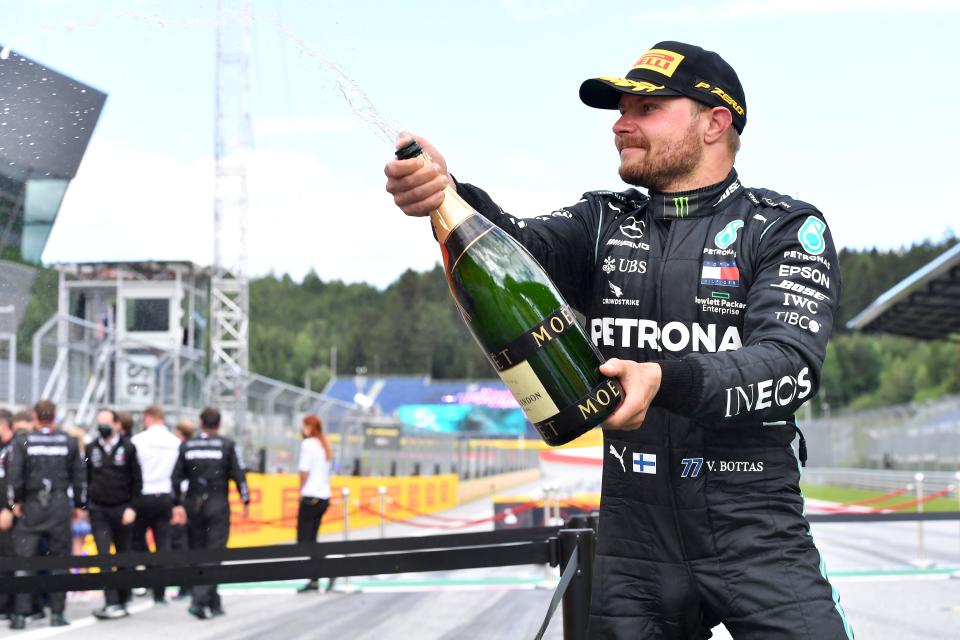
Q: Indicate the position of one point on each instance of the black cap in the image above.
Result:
(674, 69)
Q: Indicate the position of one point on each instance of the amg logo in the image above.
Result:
(674, 336)
(764, 394)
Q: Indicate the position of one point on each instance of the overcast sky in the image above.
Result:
(852, 105)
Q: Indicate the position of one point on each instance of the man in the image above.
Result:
(45, 466)
(158, 450)
(114, 483)
(713, 303)
(207, 463)
(178, 528)
(6, 514)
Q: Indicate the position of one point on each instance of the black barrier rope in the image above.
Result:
(561, 589)
(508, 547)
(129, 560)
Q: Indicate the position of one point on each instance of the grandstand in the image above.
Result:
(480, 408)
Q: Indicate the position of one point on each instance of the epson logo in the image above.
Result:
(674, 336)
(790, 285)
(805, 272)
(764, 394)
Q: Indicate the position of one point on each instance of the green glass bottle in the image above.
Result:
(521, 321)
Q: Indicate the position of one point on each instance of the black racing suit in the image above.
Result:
(208, 463)
(44, 464)
(114, 483)
(733, 292)
(6, 537)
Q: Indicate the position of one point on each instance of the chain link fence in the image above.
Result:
(920, 436)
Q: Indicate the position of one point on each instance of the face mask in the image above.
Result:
(105, 430)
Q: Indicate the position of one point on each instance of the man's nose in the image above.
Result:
(624, 124)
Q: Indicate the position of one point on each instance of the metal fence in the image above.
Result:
(919, 436)
(885, 480)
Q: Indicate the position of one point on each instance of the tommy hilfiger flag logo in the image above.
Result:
(720, 274)
(645, 463)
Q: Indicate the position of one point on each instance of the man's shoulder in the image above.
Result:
(762, 198)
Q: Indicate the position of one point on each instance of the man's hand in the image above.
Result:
(640, 382)
(179, 515)
(416, 185)
(17, 510)
(6, 519)
(78, 513)
(129, 515)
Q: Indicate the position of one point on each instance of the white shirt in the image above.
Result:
(157, 450)
(313, 460)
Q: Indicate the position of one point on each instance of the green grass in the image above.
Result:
(845, 495)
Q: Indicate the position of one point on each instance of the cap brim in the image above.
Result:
(604, 93)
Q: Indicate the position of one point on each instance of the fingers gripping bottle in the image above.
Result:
(528, 332)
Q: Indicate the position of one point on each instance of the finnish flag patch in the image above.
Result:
(645, 463)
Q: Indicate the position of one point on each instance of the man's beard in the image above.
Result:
(675, 160)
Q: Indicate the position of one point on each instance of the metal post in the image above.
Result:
(956, 487)
(383, 507)
(576, 601)
(345, 586)
(921, 560)
(549, 573)
(546, 505)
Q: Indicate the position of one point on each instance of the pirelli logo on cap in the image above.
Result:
(712, 89)
(659, 60)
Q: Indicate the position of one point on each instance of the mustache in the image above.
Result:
(623, 142)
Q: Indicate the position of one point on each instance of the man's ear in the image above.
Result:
(720, 120)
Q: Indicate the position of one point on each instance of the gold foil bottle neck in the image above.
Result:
(451, 212)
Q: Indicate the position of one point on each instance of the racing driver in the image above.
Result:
(713, 302)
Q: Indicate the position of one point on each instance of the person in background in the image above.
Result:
(158, 450)
(23, 422)
(208, 463)
(178, 530)
(315, 457)
(45, 465)
(126, 423)
(6, 511)
(80, 520)
(114, 484)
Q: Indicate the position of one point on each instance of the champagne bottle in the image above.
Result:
(528, 332)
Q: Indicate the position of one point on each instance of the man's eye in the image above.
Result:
(647, 108)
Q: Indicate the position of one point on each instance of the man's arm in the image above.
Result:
(179, 475)
(136, 472)
(564, 241)
(77, 469)
(238, 473)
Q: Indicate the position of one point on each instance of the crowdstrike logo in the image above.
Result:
(617, 291)
(674, 336)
